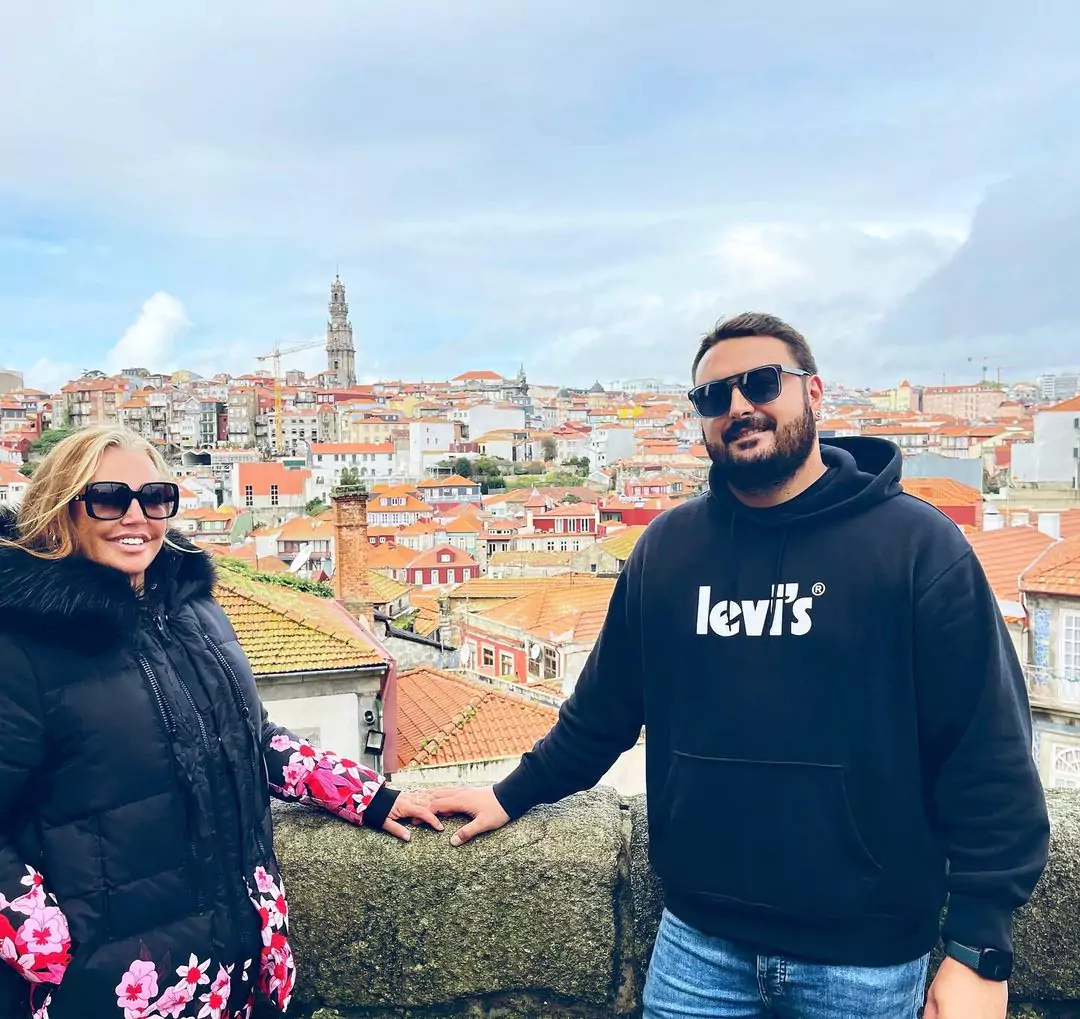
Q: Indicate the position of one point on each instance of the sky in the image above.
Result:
(584, 188)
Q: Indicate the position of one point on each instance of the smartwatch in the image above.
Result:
(990, 963)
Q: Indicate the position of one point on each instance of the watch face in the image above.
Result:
(995, 965)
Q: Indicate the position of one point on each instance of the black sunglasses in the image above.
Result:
(110, 500)
(759, 385)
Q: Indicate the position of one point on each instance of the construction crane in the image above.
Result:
(275, 355)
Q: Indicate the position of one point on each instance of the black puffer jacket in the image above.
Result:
(136, 766)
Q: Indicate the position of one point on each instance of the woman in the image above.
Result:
(137, 873)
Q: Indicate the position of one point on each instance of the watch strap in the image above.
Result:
(970, 957)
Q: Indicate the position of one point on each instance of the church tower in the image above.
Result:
(340, 353)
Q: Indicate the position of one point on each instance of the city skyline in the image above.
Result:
(569, 188)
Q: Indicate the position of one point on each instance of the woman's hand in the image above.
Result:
(413, 807)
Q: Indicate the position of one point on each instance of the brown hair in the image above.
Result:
(45, 527)
(754, 323)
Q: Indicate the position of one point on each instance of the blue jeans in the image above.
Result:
(693, 974)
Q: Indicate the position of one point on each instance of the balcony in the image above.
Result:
(1052, 690)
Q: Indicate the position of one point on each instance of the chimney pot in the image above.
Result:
(1050, 524)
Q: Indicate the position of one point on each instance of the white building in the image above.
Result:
(431, 436)
(373, 462)
(493, 417)
(1053, 458)
(608, 443)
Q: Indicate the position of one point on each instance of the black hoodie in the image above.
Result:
(837, 727)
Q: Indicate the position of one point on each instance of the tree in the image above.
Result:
(350, 477)
(315, 507)
(27, 470)
(571, 498)
(549, 449)
(463, 467)
(47, 439)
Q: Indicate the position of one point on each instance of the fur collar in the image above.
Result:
(80, 603)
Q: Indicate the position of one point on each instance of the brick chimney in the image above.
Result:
(351, 555)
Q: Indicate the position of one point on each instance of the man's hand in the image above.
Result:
(482, 805)
(960, 993)
(415, 807)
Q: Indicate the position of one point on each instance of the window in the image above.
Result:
(273, 495)
(551, 664)
(551, 546)
(249, 497)
(534, 662)
(450, 578)
(444, 557)
(1065, 767)
(506, 664)
(1070, 646)
(487, 656)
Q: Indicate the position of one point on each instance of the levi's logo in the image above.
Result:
(788, 612)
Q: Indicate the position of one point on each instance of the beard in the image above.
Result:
(760, 473)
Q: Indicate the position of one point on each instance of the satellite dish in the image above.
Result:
(534, 652)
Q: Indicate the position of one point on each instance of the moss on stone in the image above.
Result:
(553, 916)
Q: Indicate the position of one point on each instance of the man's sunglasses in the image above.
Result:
(758, 385)
(110, 500)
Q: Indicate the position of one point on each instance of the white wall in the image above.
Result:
(427, 435)
(335, 716)
(486, 417)
(1050, 458)
(627, 776)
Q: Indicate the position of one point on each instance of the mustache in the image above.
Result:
(756, 422)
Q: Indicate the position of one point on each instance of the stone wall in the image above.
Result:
(552, 916)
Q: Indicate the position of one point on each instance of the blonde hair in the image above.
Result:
(45, 526)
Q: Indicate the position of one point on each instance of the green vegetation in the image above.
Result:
(315, 507)
(27, 469)
(47, 439)
(281, 579)
(549, 448)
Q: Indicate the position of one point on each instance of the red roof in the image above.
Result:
(260, 475)
(443, 718)
(942, 491)
(432, 558)
(1056, 571)
(1006, 553)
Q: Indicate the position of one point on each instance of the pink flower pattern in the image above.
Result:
(277, 969)
(321, 778)
(40, 946)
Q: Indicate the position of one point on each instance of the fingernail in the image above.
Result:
(408, 837)
(455, 841)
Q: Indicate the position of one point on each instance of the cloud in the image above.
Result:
(581, 186)
(48, 375)
(148, 341)
(1009, 293)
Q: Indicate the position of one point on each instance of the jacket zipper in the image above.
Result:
(245, 711)
(170, 728)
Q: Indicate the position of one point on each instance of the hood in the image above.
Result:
(80, 603)
(865, 471)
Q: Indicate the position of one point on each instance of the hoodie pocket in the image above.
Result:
(771, 835)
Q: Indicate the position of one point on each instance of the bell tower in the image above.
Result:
(340, 352)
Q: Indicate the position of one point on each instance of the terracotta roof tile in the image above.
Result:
(283, 630)
(1056, 571)
(569, 614)
(541, 557)
(492, 588)
(1005, 554)
(621, 543)
(942, 491)
(445, 718)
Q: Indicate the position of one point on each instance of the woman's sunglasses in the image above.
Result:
(758, 385)
(110, 500)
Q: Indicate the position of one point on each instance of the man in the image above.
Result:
(837, 729)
